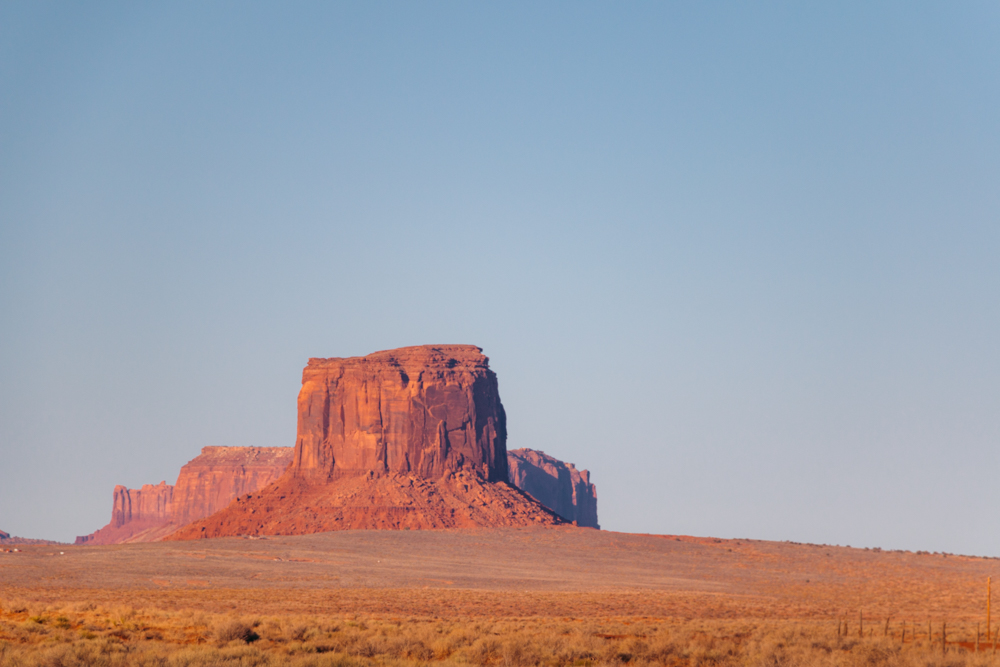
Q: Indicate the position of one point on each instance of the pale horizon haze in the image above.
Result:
(739, 260)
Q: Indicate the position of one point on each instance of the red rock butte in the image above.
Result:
(205, 485)
(408, 438)
(424, 410)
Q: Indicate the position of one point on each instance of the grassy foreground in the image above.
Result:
(542, 597)
(54, 635)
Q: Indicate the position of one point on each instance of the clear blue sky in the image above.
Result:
(739, 260)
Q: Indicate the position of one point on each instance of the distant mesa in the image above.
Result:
(557, 485)
(139, 515)
(6, 539)
(408, 438)
(205, 485)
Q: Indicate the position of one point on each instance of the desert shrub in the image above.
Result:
(301, 632)
(410, 648)
(240, 656)
(484, 651)
(273, 631)
(460, 637)
(661, 649)
(79, 655)
(370, 647)
(441, 649)
(517, 652)
(235, 630)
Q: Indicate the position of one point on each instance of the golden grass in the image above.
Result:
(488, 598)
(52, 635)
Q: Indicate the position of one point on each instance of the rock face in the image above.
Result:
(426, 411)
(4, 536)
(210, 482)
(205, 485)
(137, 515)
(407, 438)
(557, 485)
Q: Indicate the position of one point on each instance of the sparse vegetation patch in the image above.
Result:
(74, 635)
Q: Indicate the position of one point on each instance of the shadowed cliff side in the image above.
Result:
(557, 485)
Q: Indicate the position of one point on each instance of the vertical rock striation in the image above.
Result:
(135, 511)
(557, 485)
(426, 411)
(209, 482)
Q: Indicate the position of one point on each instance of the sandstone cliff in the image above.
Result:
(557, 485)
(135, 514)
(422, 410)
(211, 481)
(205, 485)
(407, 438)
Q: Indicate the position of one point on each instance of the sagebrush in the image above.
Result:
(32, 634)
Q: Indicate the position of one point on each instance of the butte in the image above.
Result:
(413, 438)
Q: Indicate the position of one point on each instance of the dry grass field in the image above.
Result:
(503, 597)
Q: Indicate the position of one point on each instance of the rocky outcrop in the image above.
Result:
(136, 515)
(426, 411)
(557, 485)
(211, 481)
(407, 438)
(4, 536)
(205, 485)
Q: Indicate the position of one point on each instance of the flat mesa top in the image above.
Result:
(240, 455)
(427, 356)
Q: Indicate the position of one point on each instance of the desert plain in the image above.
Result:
(547, 595)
